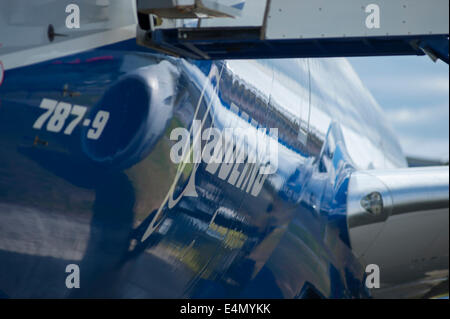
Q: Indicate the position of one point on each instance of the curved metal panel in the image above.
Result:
(398, 220)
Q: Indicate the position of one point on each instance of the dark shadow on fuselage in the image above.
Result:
(111, 221)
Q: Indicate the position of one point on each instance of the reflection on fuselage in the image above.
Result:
(207, 238)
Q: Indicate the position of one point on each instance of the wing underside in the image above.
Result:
(398, 220)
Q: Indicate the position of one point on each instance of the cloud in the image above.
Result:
(403, 85)
(430, 115)
(414, 93)
(427, 148)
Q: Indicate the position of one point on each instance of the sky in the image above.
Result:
(414, 93)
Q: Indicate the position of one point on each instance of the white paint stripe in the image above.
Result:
(55, 50)
(32, 232)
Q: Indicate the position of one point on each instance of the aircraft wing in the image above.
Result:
(41, 30)
(398, 220)
(307, 28)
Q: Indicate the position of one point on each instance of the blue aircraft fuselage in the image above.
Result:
(87, 177)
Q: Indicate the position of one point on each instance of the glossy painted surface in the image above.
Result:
(139, 225)
(408, 237)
